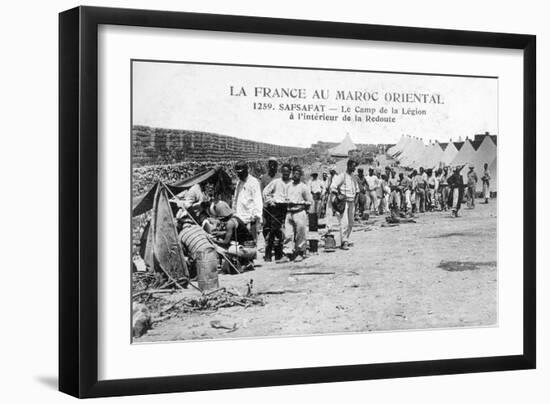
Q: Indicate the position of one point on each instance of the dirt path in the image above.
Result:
(391, 279)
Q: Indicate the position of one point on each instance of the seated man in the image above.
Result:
(234, 239)
(200, 251)
(195, 201)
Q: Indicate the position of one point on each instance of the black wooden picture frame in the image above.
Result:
(78, 200)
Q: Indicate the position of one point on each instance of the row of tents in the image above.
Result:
(411, 152)
(346, 147)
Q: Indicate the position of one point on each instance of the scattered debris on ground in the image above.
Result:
(457, 266)
(362, 228)
(148, 283)
(218, 324)
(388, 281)
(281, 292)
(141, 319)
(453, 234)
(153, 306)
(393, 219)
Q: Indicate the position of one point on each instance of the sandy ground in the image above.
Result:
(391, 279)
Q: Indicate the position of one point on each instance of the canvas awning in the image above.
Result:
(216, 176)
(213, 175)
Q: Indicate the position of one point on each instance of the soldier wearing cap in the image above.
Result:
(372, 184)
(316, 188)
(325, 180)
(456, 186)
(235, 239)
(299, 197)
(344, 188)
(420, 183)
(272, 166)
(486, 182)
(269, 213)
(471, 190)
(395, 194)
(235, 229)
(247, 199)
(276, 196)
(327, 203)
(361, 201)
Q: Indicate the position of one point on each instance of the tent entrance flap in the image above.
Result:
(163, 251)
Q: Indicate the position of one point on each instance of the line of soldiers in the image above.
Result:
(287, 210)
(419, 191)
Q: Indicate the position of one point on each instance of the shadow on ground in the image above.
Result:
(48, 381)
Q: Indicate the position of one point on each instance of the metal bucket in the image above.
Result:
(207, 270)
(330, 243)
(313, 246)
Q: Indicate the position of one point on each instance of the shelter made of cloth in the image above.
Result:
(160, 248)
(220, 180)
(162, 251)
(343, 148)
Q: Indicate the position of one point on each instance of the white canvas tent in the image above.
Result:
(436, 156)
(419, 151)
(407, 151)
(343, 148)
(397, 147)
(465, 156)
(404, 146)
(485, 153)
(449, 153)
(411, 153)
(422, 156)
(431, 158)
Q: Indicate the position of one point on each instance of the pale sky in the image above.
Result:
(197, 97)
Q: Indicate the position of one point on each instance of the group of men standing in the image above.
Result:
(418, 191)
(287, 209)
(284, 207)
(277, 204)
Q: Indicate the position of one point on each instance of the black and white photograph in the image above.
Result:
(275, 201)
